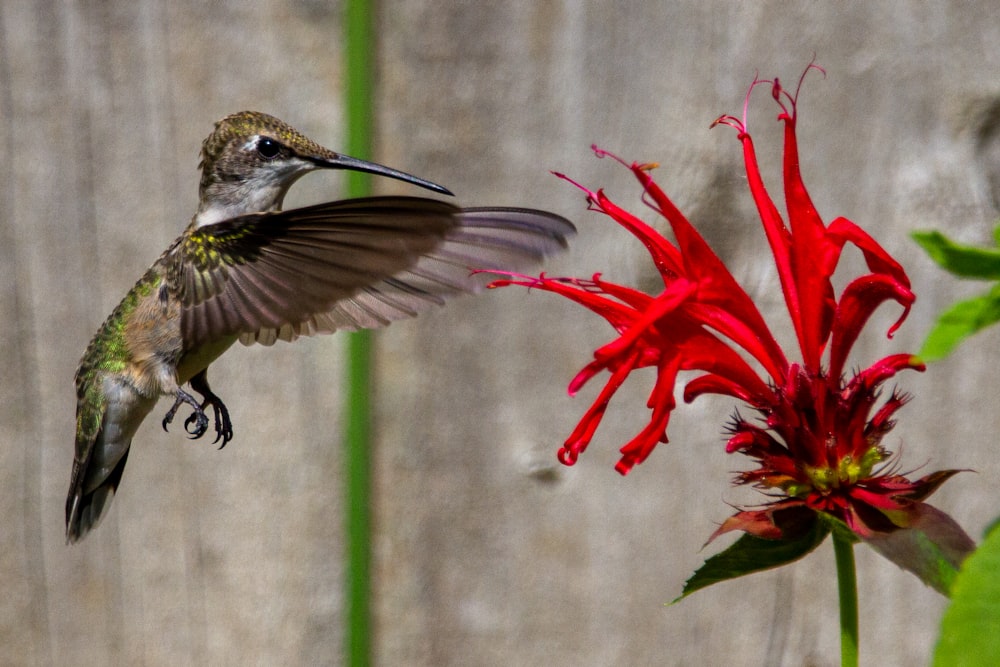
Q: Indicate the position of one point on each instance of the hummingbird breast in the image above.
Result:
(152, 334)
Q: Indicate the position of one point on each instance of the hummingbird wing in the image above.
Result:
(345, 265)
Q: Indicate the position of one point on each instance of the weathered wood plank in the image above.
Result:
(488, 552)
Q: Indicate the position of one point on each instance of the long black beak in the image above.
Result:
(354, 164)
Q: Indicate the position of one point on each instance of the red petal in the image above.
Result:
(812, 279)
(666, 256)
(882, 370)
(716, 384)
(578, 440)
(661, 400)
(860, 299)
(716, 285)
(879, 261)
(665, 303)
(758, 342)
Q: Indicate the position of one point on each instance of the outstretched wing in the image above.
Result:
(351, 264)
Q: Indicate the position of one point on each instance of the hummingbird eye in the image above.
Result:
(268, 148)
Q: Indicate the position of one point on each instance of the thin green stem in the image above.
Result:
(357, 474)
(847, 587)
(358, 75)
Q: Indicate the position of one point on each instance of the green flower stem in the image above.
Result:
(847, 587)
(358, 50)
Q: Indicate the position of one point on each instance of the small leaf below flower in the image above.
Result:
(932, 547)
(751, 554)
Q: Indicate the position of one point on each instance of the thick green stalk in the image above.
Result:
(358, 75)
(847, 587)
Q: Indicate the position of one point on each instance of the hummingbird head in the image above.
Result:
(251, 159)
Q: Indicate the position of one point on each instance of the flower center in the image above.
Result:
(848, 471)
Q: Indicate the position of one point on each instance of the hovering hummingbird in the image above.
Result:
(246, 270)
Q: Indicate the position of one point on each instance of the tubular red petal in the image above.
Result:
(666, 302)
(883, 369)
(667, 258)
(641, 446)
(812, 281)
(860, 299)
(717, 384)
(705, 352)
(879, 261)
(584, 376)
(756, 340)
(577, 442)
(737, 316)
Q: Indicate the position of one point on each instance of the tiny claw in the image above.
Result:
(169, 417)
(196, 424)
(198, 416)
(223, 424)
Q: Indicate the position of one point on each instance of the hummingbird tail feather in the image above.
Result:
(85, 509)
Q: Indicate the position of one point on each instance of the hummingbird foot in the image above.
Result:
(223, 424)
(198, 419)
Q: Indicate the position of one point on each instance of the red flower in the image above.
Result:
(818, 442)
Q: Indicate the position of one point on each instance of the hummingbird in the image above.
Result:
(246, 270)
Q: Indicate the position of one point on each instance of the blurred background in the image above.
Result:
(487, 551)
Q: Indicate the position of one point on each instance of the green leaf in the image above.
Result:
(970, 629)
(751, 554)
(959, 322)
(961, 260)
(933, 547)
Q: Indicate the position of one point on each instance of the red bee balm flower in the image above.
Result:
(818, 444)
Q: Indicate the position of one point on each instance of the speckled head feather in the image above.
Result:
(248, 123)
(234, 170)
(251, 158)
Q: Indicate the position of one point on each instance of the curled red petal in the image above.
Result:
(860, 299)
(581, 436)
(756, 340)
(661, 401)
(842, 231)
(704, 352)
